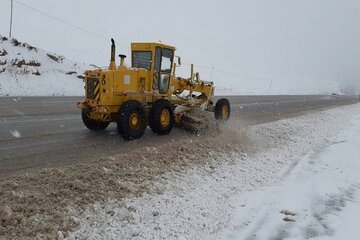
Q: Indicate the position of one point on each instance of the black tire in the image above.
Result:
(92, 124)
(220, 112)
(131, 109)
(157, 123)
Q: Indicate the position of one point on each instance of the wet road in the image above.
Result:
(40, 132)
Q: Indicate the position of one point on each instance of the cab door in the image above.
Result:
(162, 69)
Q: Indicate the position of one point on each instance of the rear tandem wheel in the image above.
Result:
(161, 117)
(131, 121)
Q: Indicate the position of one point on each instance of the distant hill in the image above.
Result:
(31, 71)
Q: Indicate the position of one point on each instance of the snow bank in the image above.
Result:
(29, 71)
(200, 202)
(319, 199)
(223, 91)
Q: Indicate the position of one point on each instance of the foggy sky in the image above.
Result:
(264, 46)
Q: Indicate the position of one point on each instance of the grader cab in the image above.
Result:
(147, 93)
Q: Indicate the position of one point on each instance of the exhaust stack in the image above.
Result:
(112, 65)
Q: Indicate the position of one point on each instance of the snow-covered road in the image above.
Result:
(305, 167)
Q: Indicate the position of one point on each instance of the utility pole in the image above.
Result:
(271, 80)
(11, 17)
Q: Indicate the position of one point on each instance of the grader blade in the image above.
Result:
(191, 119)
(197, 120)
(191, 124)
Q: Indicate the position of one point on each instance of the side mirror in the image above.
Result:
(179, 61)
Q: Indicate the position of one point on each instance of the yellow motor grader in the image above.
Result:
(147, 93)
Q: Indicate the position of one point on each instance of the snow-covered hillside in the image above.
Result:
(28, 70)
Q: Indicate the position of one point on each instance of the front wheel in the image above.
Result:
(92, 124)
(131, 121)
(222, 109)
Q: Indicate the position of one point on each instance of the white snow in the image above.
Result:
(15, 133)
(29, 71)
(224, 91)
(205, 202)
(323, 192)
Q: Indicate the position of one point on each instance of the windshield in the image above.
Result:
(141, 59)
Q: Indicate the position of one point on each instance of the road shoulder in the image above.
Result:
(198, 202)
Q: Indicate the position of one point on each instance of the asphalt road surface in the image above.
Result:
(38, 132)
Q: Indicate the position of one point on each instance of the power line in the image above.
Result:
(66, 23)
(106, 39)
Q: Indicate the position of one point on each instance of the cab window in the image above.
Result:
(166, 60)
(141, 59)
